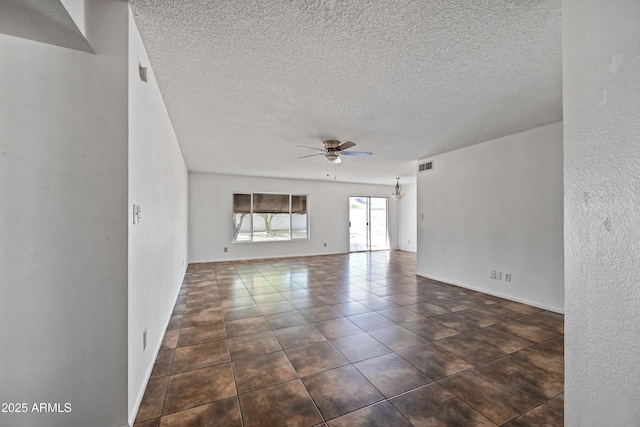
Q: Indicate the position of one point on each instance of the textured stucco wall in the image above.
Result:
(601, 45)
(63, 225)
(496, 206)
(210, 207)
(407, 214)
(158, 243)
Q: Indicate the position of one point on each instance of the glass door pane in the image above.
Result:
(358, 224)
(378, 224)
(368, 228)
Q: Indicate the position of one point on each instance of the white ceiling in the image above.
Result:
(245, 82)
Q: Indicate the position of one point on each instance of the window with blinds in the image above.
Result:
(269, 217)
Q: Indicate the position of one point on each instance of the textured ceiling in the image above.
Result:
(245, 82)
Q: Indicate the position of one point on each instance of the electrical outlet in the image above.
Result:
(144, 339)
(226, 249)
(499, 275)
(494, 274)
(507, 277)
(325, 244)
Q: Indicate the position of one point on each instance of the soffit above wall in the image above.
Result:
(46, 21)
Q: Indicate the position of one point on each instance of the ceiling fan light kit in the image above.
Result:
(397, 195)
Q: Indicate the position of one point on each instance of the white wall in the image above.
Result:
(63, 216)
(497, 206)
(210, 208)
(602, 204)
(158, 243)
(407, 218)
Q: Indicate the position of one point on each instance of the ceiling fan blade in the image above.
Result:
(311, 155)
(346, 145)
(313, 148)
(356, 153)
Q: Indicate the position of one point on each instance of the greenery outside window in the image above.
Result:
(269, 217)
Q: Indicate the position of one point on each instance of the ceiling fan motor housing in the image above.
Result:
(331, 144)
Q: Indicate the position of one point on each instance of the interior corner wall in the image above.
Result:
(63, 215)
(158, 242)
(407, 218)
(601, 92)
(497, 205)
(210, 216)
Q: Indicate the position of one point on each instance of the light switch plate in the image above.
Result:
(136, 214)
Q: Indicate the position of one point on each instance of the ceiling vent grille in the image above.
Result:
(425, 167)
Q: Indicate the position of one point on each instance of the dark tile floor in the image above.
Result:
(351, 340)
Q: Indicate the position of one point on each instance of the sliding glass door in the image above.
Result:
(368, 228)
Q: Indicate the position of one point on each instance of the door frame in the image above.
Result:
(369, 226)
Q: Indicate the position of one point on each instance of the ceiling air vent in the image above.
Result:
(425, 166)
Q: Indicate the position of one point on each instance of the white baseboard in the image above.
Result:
(263, 257)
(493, 293)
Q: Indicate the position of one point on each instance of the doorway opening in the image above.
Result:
(368, 224)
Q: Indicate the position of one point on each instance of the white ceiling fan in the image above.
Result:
(333, 149)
